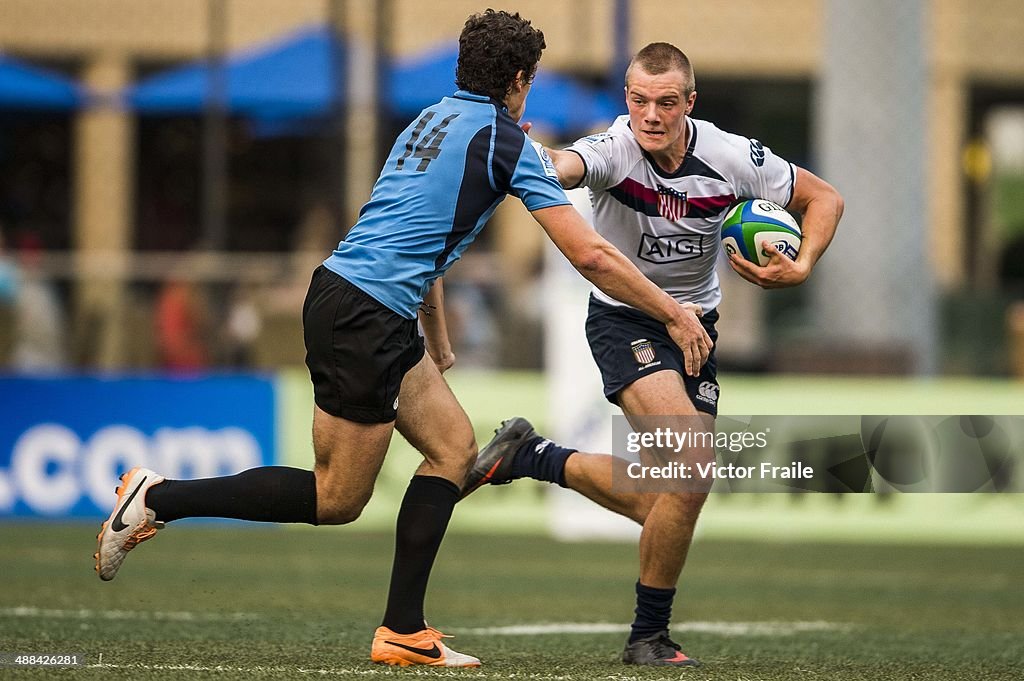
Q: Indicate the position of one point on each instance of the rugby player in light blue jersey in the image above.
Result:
(371, 370)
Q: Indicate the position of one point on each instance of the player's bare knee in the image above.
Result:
(456, 457)
(337, 504)
(638, 516)
(642, 508)
(468, 452)
(464, 448)
(685, 504)
(338, 512)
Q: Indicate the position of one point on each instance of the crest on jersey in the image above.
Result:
(643, 351)
(671, 203)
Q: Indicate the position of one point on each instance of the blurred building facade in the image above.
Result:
(972, 59)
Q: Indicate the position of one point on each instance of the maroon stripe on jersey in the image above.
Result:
(632, 194)
(639, 191)
(708, 206)
(643, 199)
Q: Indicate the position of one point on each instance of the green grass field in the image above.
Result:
(238, 602)
(812, 587)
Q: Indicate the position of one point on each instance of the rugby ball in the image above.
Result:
(750, 223)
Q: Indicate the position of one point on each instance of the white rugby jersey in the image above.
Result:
(669, 224)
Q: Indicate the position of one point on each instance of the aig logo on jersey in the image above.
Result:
(707, 392)
(672, 204)
(643, 352)
(670, 248)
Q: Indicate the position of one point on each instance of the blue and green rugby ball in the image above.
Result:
(750, 223)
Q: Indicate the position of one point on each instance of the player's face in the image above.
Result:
(658, 106)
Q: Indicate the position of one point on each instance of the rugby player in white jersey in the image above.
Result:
(661, 184)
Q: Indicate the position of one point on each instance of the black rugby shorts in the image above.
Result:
(357, 349)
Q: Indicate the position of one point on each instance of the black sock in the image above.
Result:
(274, 494)
(653, 611)
(541, 459)
(422, 521)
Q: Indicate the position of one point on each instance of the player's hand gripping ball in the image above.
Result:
(750, 223)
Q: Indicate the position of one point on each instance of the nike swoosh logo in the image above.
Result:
(490, 473)
(483, 481)
(432, 652)
(118, 523)
(679, 657)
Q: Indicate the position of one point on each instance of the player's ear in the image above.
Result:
(520, 81)
(690, 101)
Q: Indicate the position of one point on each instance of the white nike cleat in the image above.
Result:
(129, 524)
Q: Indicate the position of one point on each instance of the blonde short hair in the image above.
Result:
(658, 58)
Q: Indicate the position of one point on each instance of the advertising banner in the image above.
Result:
(64, 441)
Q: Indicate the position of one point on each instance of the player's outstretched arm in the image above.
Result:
(602, 264)
(821, 207)
(569, 165)
(435, 327)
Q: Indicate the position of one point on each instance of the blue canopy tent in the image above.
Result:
(27, 87)
(299, 76)
(556, 102)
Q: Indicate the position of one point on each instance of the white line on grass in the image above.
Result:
(86, 614)
(721, 628)
(767, 628)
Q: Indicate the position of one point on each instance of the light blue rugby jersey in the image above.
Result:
(446, 174)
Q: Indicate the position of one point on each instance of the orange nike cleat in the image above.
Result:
(423, 647)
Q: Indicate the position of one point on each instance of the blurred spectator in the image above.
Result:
(8, 274)
(39, 323)
(182, 327)
(471, 324)
(1011, 275)
(8, 296)
(279, 305)
(1011, 267)
(243, 327)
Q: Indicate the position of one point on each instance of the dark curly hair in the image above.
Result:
(493, 47)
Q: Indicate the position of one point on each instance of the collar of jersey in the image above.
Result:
(472, 96)
(681, 170)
